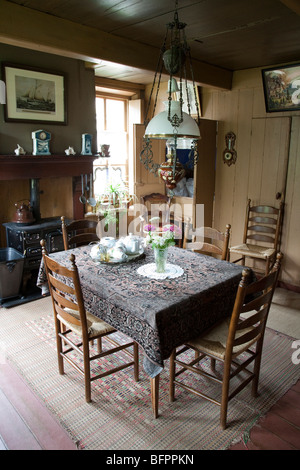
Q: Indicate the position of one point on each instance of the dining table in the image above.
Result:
(158, 311)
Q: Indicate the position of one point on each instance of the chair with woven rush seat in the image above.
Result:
(79, 232)
(236, 342)
(213, 241)
(73, 323)
(261, 240)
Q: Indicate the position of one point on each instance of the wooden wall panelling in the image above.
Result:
(226, 105)
(291, 228)
(256, 160)
(277, 133)
(204, 173)
(56, 198)
(241, 168)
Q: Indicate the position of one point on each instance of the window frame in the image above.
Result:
(105, 164)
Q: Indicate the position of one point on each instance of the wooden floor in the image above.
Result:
(26, 424)
(280, 428)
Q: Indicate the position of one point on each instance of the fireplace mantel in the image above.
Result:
(14, 167)
(35, 167)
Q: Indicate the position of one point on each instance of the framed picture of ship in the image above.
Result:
(34, 95)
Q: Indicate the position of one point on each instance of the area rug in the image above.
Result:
(120, 415)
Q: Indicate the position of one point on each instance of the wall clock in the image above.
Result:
(229, 154)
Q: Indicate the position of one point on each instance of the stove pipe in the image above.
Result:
(35, 198)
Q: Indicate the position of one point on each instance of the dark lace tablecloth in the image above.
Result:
(159, 314)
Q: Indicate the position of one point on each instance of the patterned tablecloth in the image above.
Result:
(158, 314)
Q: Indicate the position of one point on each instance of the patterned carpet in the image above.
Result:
(120, 415)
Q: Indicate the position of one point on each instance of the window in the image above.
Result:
(112, 130)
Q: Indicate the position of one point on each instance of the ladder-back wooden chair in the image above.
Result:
(261, 240)
(212, 241)
(156, 206)
(237, 342)
(79, 232)
(75, 327)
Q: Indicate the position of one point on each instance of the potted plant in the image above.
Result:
(112, 206)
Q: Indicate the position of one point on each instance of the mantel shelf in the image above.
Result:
(13, 167)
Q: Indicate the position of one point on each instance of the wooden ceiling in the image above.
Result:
(227, 35)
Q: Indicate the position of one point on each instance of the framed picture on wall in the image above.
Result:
(34, 95)
(282, 88)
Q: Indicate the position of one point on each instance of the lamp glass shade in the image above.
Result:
(161, 128)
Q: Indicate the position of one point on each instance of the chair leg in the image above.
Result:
(59, 356)
(59, 347)
(225, 392)
(99, 345)
(267, 266)
(87, 372)
(172, 376)
(136, 361)
(256, 370)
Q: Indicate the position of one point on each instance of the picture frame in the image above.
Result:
(192, 98)
(34, 95)
(282, 88)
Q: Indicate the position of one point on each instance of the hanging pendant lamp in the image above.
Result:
(179, 127)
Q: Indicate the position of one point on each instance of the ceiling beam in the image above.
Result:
(23, 27)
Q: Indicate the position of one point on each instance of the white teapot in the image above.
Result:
(133, 244)
(98, 252)
(109, 242)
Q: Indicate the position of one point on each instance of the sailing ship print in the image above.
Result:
(35, 95)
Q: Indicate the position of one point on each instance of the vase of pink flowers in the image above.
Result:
(160, 240)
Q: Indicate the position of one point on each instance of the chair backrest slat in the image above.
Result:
(67, 316)
(79, 232)
(253, 319)
(261, 238)
(248, 336)
(83, 239)
(64, 301)
(61, 286)
(263, 220)
(258, 302)
(260, 227)
(65, 290)
(212, 240)
(264, 209)
(266, 281)
(204, 247)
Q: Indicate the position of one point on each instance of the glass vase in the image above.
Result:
(160, 257)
